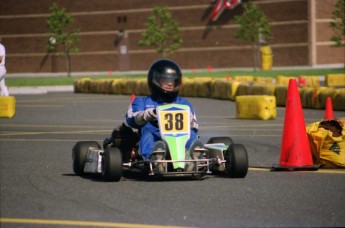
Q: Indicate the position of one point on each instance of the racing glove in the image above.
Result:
(149, 114)
(145, 116)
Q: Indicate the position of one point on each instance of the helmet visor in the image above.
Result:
(167, 82)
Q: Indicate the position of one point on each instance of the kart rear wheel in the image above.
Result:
(112, 164)
(236, 161)
(224, 139)
(79, 154)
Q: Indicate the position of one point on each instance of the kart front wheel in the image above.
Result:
(79, 154)
(223, 139)
(112, 164)
(236, 161)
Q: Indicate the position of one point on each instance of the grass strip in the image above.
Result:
(53, 81)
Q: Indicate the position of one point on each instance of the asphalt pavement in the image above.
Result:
(39, 188)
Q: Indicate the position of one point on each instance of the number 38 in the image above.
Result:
(174, 121)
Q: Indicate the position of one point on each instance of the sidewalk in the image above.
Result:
(22, 90)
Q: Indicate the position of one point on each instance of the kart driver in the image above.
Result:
(164, 80)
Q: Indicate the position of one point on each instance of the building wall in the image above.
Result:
(300, 34)
(325, 53)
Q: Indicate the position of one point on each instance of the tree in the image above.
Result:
(254, 28)
(338, 23)
(58, 24)
(162, 32)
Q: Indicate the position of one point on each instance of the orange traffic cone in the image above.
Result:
(132, 98)
(329, 109)
(295, 151)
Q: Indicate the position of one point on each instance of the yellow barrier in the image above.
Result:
(320, 95)
(339, 100)
(232, 90)
(266, 57)
(311, 97)
(307, 97)
(106, 86)
(243, 89)
(256, 107)
(128, 86)
(280, 93)
(116, 86)
(267, 62)
(94, 86)
(142, 88)
(188, 88)
(335, 80)
(82, 85)
(224, 89)
(248, 78)
(7, 107)
(283, 80)
(264, 80)
(310, 81)
(262, 89)
(219, 88)
(203, 87)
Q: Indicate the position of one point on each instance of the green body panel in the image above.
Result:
(177, 149)
(217, 147)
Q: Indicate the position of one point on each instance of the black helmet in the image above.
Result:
(161, 71)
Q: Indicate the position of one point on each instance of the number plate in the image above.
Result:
(174, 119)
(174, 126)
(174, 122)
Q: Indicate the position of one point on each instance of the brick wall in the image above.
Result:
(24, 33)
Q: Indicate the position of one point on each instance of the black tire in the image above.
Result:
(224, 139)
(112, 164)
(236, 161)
(79, 153)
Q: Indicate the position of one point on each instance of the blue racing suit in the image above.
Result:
(150, 132)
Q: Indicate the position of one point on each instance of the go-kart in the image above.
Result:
(220, 155)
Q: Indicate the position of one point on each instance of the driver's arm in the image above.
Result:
(194, 122)
(137, 115)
